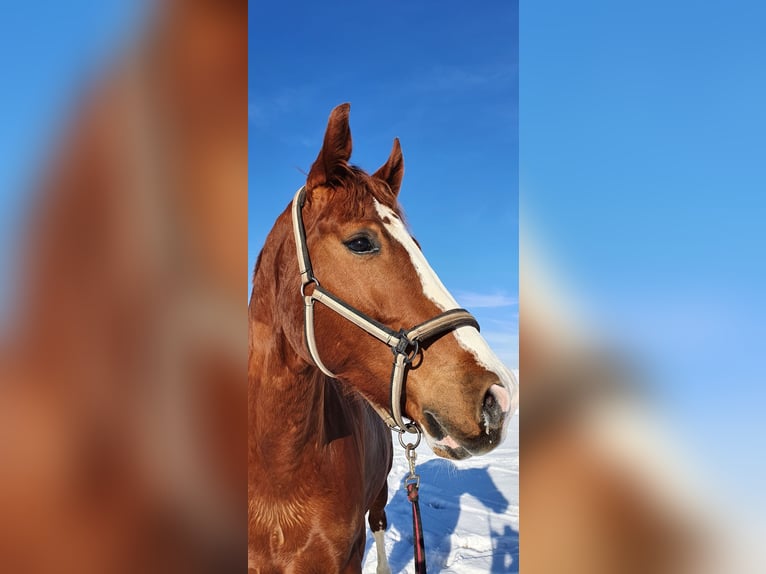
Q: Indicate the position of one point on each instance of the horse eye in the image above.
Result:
(361, 244)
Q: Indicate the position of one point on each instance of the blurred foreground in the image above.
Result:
(642, 287)
(122, 365)
(606, 483)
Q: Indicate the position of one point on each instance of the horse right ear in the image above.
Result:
(336, 149)
(393, 170)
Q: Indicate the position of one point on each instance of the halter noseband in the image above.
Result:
(405, 345)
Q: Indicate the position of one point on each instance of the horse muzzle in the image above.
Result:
(487, 431)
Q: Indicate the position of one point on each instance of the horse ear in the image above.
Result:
(336, 149)
(393, 170)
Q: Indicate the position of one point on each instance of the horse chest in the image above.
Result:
(314, 516)
(317, 536)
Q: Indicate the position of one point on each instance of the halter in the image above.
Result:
(405, 344)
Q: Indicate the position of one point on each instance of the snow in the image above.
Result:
(470, 512)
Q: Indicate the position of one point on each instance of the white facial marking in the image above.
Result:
(467, 337)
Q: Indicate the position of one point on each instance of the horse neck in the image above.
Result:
(286, 411)
(285, 393)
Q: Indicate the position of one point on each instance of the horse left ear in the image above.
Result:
(393, 170)
(336, 149)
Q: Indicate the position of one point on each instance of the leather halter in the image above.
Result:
(405, 344)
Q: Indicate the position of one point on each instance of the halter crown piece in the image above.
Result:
(405, 345)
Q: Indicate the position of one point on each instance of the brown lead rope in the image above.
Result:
(404, 344)
(412, 486)
(419, 546)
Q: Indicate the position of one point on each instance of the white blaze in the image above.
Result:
(467, 337)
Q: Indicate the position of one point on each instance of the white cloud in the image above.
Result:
(268, 108)
(461, 78)
(474, 300)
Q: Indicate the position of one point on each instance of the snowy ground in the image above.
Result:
(470, 512)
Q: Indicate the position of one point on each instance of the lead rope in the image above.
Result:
(412, 486)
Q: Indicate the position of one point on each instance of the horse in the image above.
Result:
(338, 265)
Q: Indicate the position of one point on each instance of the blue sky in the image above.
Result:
(643, 163)
(441, 77)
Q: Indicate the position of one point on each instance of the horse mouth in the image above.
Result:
(441, 443)
(445, 444)
(451, 453)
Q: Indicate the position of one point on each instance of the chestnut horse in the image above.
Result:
(319, 395)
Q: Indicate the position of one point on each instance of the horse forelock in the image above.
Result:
(353, 191)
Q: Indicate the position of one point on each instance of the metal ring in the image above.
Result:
(415, 347)
(313, 280)
(408, 427)
(409, 349)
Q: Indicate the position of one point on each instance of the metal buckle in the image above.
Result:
(406, 347)
(409, 451)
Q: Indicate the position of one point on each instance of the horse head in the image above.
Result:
(457, 390)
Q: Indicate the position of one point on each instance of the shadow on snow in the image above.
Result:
(442, 484)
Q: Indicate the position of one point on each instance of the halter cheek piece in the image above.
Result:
(405, 344)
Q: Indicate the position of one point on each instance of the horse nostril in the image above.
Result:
(491, 412)
(489, 401)
(494, 406)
